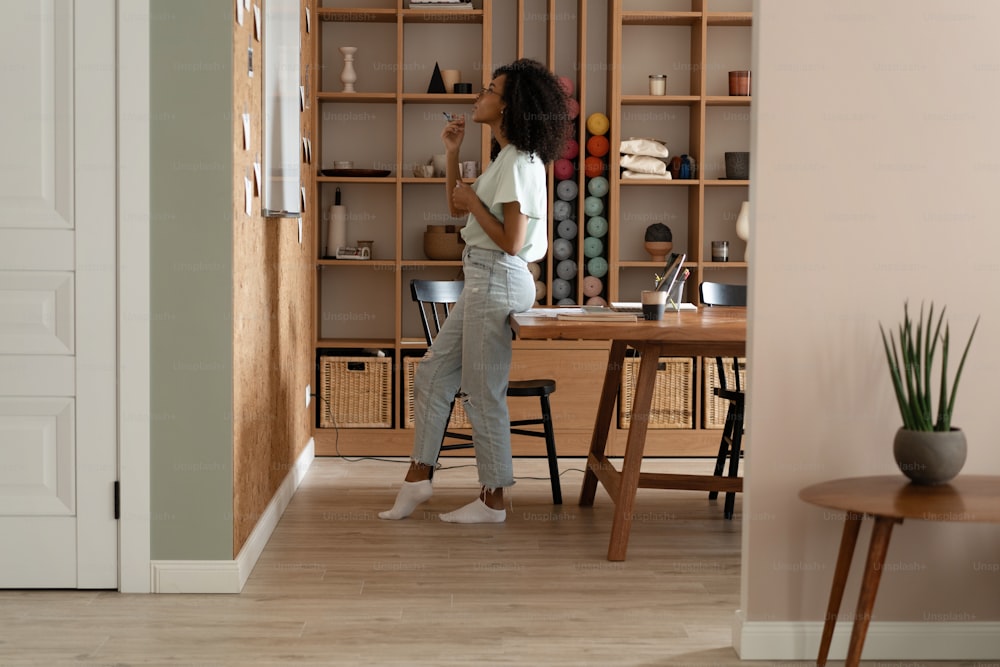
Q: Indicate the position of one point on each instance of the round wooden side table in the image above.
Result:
(890, 499)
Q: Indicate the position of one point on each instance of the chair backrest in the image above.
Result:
(434, 300)
(722, 294)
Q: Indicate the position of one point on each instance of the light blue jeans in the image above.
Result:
(473, 352)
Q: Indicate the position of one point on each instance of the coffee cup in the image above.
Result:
(654, 302)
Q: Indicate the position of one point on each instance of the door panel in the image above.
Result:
(58, 313)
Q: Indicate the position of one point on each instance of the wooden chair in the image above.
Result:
(434, 299)
(730, 446)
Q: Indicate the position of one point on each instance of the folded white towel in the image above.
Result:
(640, 146)
(655, 177)
(643, 164)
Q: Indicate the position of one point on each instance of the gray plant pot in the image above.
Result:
(929, 457)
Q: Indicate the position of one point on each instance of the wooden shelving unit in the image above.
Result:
(392, 123)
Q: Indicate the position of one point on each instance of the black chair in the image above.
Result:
(434, 299)
(722, 294)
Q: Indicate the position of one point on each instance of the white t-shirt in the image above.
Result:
(513, 176)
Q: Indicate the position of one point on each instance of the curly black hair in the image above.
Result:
(536, 117)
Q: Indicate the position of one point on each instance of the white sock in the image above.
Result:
(409, 496)
(475, 512)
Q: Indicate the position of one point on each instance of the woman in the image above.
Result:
(526, 110)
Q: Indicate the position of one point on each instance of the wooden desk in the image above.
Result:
(706, 332)
(890, 499)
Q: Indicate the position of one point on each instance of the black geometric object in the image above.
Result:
(437, 83)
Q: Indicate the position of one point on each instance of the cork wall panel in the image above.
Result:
(271, 305)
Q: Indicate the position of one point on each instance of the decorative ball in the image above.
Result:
(597, 226)
(561, 288)
(567, 229)
(539, 290)
(567, 85)
(573, 108)
(593, 206)
(561, 209)
(598, 186)
(567, 190)
(596, 301)
(658, 232)
(597, 266)
(571, 150)
(563, 168)
(598, 123)
(535, 269)
(598, 145)
(566, 269)
(566, 302)
(562, 249)
(592, 286)
(593, 247)
(593, 167)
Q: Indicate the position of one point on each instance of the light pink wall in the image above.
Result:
(876, 179)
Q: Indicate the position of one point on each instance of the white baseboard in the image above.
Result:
(229, 576)
(955, 640)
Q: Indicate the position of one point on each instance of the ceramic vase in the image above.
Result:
(929, 457)
(658, 249)
(348, 76)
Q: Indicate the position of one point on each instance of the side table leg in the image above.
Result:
(852, 525)
(877, 550)
(605, 414)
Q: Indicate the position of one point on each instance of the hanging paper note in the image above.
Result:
(239, 11)
(248, 195)
(256, 173)
(256, 21)
(246, 130)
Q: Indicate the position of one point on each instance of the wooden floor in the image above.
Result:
(338, 586)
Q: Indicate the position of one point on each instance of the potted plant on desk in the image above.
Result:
(927, 448)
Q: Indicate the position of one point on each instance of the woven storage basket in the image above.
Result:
(672, 394)
(715, 407)
(459, 419)
(355, 392)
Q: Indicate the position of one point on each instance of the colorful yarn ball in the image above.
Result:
(592, 286)
(598, 145)
(563, 169)
(597, 266)
(567, 190)
(571, 150)
(598, 123)
(561, 288)
(593, 247)
(593, 206)
(597, 226)
(567, 229)
(561, 209)
(598, 186)
(562, 249)
(566, 269)
(593, 166)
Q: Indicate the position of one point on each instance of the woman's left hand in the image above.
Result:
(464, 197)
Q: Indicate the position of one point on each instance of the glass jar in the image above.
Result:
(657, 84)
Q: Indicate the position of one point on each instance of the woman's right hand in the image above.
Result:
(453, 134)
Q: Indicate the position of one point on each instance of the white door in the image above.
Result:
(58, 367)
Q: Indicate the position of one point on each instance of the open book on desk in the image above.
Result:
(636, 307)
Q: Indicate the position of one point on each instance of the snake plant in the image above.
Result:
(911, 358)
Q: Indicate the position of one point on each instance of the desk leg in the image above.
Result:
(869, 587)
(634, 447)
(605, 414)
(852, 525)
